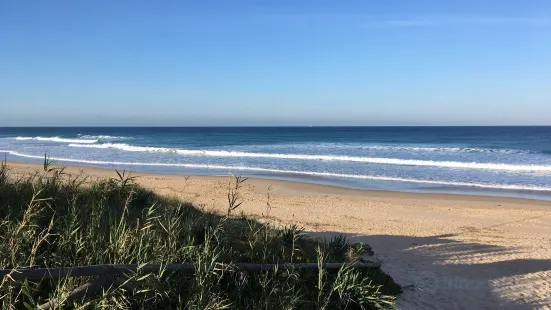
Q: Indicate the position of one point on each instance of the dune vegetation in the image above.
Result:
(54, 219)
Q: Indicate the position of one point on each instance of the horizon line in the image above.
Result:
(268, 126)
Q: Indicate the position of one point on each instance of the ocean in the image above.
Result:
(502, 161)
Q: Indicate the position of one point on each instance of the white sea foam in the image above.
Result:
(103, 137)
(293, 172)
(58, 139)
(444, 149)
(413, 148)
(371, 160)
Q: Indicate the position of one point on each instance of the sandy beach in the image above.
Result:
(448, 251)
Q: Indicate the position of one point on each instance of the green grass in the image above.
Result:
(52, 219)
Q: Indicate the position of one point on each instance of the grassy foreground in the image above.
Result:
(52, 219)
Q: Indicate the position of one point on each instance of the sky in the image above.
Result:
(266, 63)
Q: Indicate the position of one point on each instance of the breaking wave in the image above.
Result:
(58, 139)
(371, 160)
(293, 172)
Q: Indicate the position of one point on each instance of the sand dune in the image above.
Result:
(448, 251)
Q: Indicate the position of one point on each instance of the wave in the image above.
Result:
(371, 160)
(103, 137)
(58, 139)
(293, 172)
(445, 149)
(417, 148)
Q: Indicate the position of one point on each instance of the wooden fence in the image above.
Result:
(109, 275)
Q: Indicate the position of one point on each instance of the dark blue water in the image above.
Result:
(507, 161)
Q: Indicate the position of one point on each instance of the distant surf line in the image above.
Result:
(81, 138)
(294, 172)
(456, 149)
(58, 139)
(102, 137)
(371, 160)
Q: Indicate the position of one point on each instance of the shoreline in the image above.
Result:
(303, 187)
(472, 252)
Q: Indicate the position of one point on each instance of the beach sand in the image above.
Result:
(448, 251)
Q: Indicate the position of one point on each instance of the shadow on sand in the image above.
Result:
(440, 272)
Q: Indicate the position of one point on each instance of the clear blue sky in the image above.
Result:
(281, 62)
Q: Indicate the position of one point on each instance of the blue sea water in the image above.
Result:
(504, 161)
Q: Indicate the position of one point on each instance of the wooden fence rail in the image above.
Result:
(108, 275)
(95, 270)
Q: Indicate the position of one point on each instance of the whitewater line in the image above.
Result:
(425, 148)
(310, 173)
(371, 160)
(102, 137)
(57, 139)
